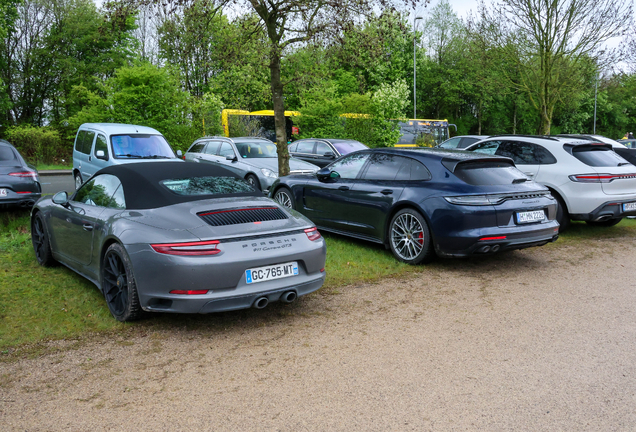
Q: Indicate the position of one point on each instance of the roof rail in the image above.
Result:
(547, 137)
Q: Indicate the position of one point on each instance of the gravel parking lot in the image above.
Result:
(539, 339)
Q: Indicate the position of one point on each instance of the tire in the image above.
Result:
(283, 196)
(78, 181)
(562, 216)
(410, 238)
(118, 284)
(253, 180)
(605, 223)
(40, 241)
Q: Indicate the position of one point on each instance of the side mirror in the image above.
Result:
(99, 154)
(231, 158)
(329, 154)
(61, 198)
(325, 174)
(179, 153)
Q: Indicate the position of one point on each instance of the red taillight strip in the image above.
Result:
(209, 247)
(237, 210)
(492, 238)
(189, 292)
(24, 174)
(601, 178)
(313, 234)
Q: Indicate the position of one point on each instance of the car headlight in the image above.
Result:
(269, 173)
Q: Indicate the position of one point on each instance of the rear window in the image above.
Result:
(488, 173)
(208, 186)
(6, 154)
(597, 156)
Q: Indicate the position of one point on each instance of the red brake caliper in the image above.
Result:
(421, 238)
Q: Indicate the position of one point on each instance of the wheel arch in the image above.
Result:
(107, 243)
(558, 195)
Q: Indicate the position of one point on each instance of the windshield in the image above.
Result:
(141, 146)
(253, 150)
(346, 147)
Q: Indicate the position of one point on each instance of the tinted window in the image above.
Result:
(451, 143)
(525, 153)
(212, 148)
(413, 170)
(257, 150)
(99, 192)
(208, 185)
(346, 147)
(226, 150)
(466, 141)
(350, 166)
(100, 144)
(597, 156)
(305, 147)
(488, 173)
(84, 141)
(197, 148)
(489, 147)
(383, 167)
(322, 148)
(6, 154)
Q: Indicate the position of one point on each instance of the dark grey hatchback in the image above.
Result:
(322, 152)
(19, 182)
(422, 202)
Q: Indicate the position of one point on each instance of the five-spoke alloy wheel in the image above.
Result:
(118, 284)
(410, 238)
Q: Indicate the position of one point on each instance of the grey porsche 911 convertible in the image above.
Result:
(184, 237)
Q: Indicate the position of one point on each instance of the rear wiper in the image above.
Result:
(520, 180)
(623, 163)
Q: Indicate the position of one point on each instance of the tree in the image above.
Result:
(548, 40)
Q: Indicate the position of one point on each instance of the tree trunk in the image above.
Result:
(279, 112)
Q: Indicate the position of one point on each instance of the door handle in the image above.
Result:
(87, 227)
(90, 158)
(386, 191)
(343, 188)
(529, 174)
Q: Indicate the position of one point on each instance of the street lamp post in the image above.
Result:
(414, 71)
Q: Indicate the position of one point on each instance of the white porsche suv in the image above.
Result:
(588, 179)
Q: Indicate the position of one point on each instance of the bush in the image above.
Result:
(39, 145)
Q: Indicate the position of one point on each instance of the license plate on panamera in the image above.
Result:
(629, 206)
(3, 192)
(530, 216)
(261, 274)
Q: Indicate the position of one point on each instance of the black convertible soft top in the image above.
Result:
(143, 188)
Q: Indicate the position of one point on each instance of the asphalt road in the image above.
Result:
(52, 184)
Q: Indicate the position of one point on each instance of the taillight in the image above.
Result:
(209, 247)
(25, 174)
(600, 178)
(312, 233)
(189, 292)
(477, 200)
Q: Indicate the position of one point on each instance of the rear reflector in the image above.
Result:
(492, 238)
(312, 233)
(191, 248)
(189, 292)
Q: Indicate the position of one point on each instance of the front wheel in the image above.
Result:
(78, 181)
(605, 223)
(118, 284)
(253, 180)
(283, 196)
(40, 241)
(410, 238)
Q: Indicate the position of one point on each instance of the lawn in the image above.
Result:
(41, 304)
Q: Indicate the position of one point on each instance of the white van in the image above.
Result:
(98, 145)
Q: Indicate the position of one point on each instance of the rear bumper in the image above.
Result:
(607, 210)
(469, 243)
(19, 200)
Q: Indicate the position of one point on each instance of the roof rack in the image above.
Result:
(547, 137)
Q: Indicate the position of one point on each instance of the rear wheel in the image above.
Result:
(78, 180)
(410, 238)
(253, 180)
(118, 284)
(562, 216)
(284, 197)
(605, 223)
(40, 241)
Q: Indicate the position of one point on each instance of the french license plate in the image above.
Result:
(3, 192)
(530, 216)
(261, 274)
(629, 206)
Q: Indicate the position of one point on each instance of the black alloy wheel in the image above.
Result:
(118, 284)
(606, 223)
(40, 241)
(253, 180)
(410, 238)
(283, 196)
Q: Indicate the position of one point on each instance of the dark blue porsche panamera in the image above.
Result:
(423, 202)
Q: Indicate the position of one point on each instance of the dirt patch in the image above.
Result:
(539, 339)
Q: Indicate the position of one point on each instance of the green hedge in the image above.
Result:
(40, 145)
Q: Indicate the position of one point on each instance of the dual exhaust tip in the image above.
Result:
(489, 248)
(286, 297)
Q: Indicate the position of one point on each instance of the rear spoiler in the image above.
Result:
(451, 164)
(569, 147)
